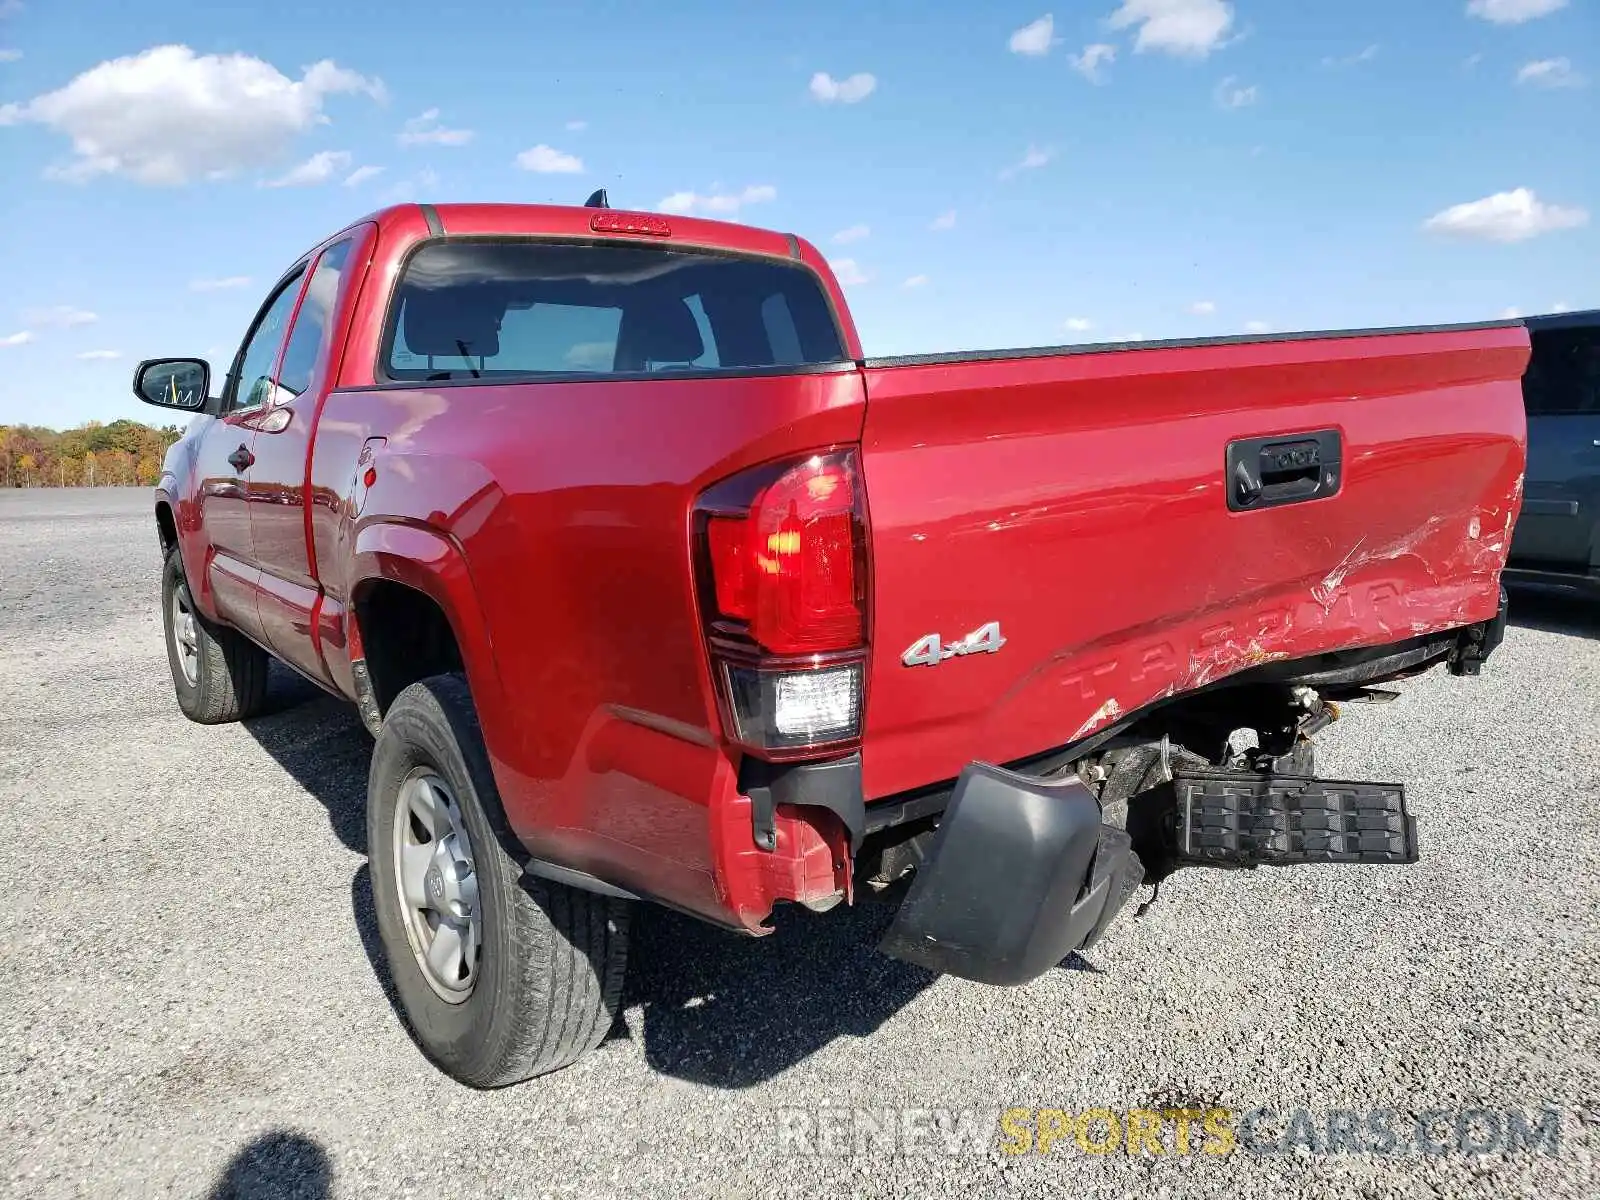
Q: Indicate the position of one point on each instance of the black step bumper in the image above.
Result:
(1021, 872)
(1240, 819)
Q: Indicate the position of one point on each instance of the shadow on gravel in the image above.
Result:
(320, 741)
(323, 746)
(1550, 612)
(709, 1006)
(730, 1011)
(276, 1166)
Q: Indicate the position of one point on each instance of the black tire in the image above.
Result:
(552, 960)
(230, 681)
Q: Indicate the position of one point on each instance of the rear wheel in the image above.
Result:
(219, 675)
(500, 977)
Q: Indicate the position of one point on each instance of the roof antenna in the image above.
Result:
(597, 200)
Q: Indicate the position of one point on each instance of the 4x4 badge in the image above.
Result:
(930, 651)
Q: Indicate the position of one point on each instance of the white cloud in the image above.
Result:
(408, 189)
(916, 281)
(1513, 12)
(360, 175)
(1550, 73)
(1079, 324)
(1257, 327)
(1230, 95)
(1349, 60)
(1471, 61)
(1187, 28)
(8, 55)
(716, 203)
(1035, 38)
(1031, 161)
(62, 316)
(945, 220)
(426, 131)
(577, 126)
(547, 160)
(849, 273)
(319, 168)
(96, 355)
(827, 89)
(1560, 306)
(1088, 63)
(1510, 313)
(219, 285)
(21, 338)
(1203, 308)
(853, 234)
(1512, 216)
(168, 116)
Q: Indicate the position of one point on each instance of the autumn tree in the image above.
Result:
(124, 453)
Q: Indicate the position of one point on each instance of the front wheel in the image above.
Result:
(500, 978)
(218, 674)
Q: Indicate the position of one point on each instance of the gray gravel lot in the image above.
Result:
(191, 1004)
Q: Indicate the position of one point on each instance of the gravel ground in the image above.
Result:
(191, 1002)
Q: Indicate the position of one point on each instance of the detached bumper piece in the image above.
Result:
(1237, 819)
(1475, 643)
(1020, 874)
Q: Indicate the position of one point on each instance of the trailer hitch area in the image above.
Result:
(1020, 874)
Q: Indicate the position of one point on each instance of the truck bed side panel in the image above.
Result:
(1080, 501)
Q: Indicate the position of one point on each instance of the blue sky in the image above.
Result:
(1002, 174)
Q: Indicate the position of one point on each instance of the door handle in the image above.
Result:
(241, 459)
(1287, 469)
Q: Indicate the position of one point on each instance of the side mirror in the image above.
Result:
(181, 383)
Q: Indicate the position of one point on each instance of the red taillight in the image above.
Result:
(728, 542)
(783, 560)
(788, 566)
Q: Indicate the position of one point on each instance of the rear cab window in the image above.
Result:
(502, 308)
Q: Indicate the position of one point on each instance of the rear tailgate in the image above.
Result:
(1081, 501)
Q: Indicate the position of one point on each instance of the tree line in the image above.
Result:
(122, 454)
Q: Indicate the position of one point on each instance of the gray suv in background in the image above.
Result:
(1556, 543)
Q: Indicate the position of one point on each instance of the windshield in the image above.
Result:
(494, 308)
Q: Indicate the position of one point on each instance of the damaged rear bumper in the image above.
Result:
(1021, 874)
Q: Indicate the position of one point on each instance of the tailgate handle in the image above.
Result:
(1283, 469)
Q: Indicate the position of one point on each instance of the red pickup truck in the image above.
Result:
(650, 586)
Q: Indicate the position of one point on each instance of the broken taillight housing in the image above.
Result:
(781, 553)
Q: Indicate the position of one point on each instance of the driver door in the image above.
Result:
(224, 458)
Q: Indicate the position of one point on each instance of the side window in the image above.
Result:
(1563, 374)
(252, 383)
(309, 338)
